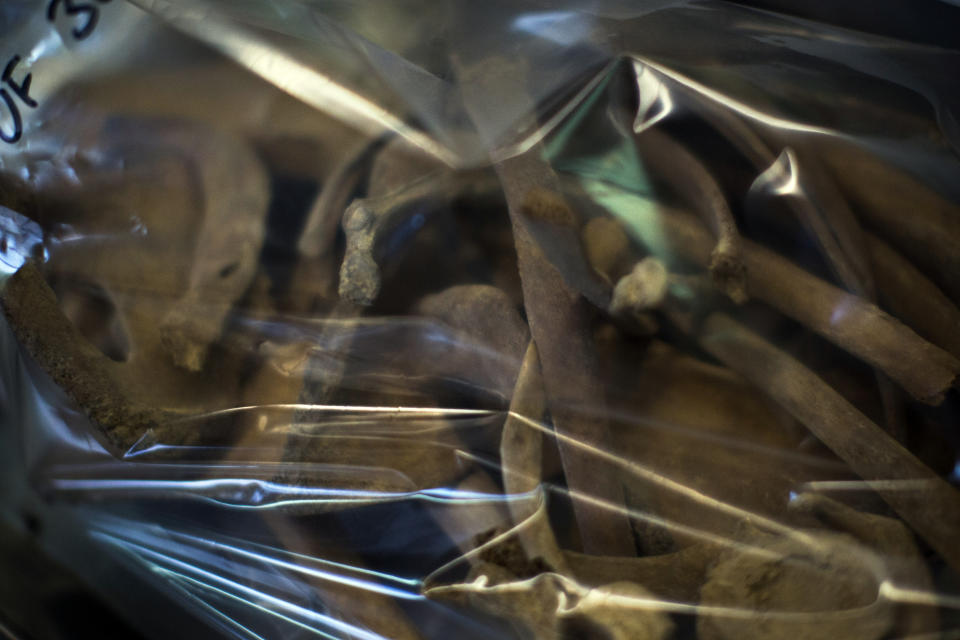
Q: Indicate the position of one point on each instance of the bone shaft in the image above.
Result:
(912, 297)
(913, 218)
(850, 322)
(521, 453)
(686, 174)
(924, 500)
(560, 324)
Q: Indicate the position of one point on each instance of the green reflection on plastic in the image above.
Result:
(615, 178)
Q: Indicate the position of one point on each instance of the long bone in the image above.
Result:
(923, 499)
(559, 318)
(852, 323)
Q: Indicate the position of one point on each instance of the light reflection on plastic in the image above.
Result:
(838, 313)
(917, 484)
(261, 56)
(656, 103)
(894, 593)
(20, 240)
(638, 213)
(190, 553)
(585, 597)
(232, 589)
(203, 586)
(257, 494)
(220, 615)
(781, 178)
(562, 27)
(671, 485)
(730, 103)
(299, 567)
(417, 411)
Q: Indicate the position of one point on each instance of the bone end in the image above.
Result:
(729, 274)
(644, 288)
(187, 351)
(359, 279)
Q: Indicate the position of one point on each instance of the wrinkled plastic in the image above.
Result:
(429, 320)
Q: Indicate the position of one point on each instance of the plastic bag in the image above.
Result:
(401, 320)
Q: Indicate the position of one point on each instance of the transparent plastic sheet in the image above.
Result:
(555, 319)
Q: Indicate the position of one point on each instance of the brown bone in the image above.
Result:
(850, 322)
(924, 500)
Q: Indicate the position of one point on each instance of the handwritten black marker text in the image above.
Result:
(87, 11)
(13, 91)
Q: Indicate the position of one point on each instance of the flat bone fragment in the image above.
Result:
(905, 566)
(819, 586)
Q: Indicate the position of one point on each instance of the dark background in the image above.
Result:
(933, 22)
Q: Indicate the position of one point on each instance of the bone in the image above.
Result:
(320, 228)
(140, 272)
(222, 200)
(405, 187)
(91, 379)
(389, 362)
(697, 439)
(314, 280)
(224, 180)
(643, 289)
(921, 368)
(335, 430)
(235, 195)
(365, 222)
(819, 586)
(909, 295)
(467, 339)
(487, 319)
(929, 236)
(836, 423)
(559, 323)
(852, 323)
(369, 221)
(798, 177)
(687, 176)
(608, 248)
(898, 550)
(675, 577)
(925, 501)
(522, 460)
